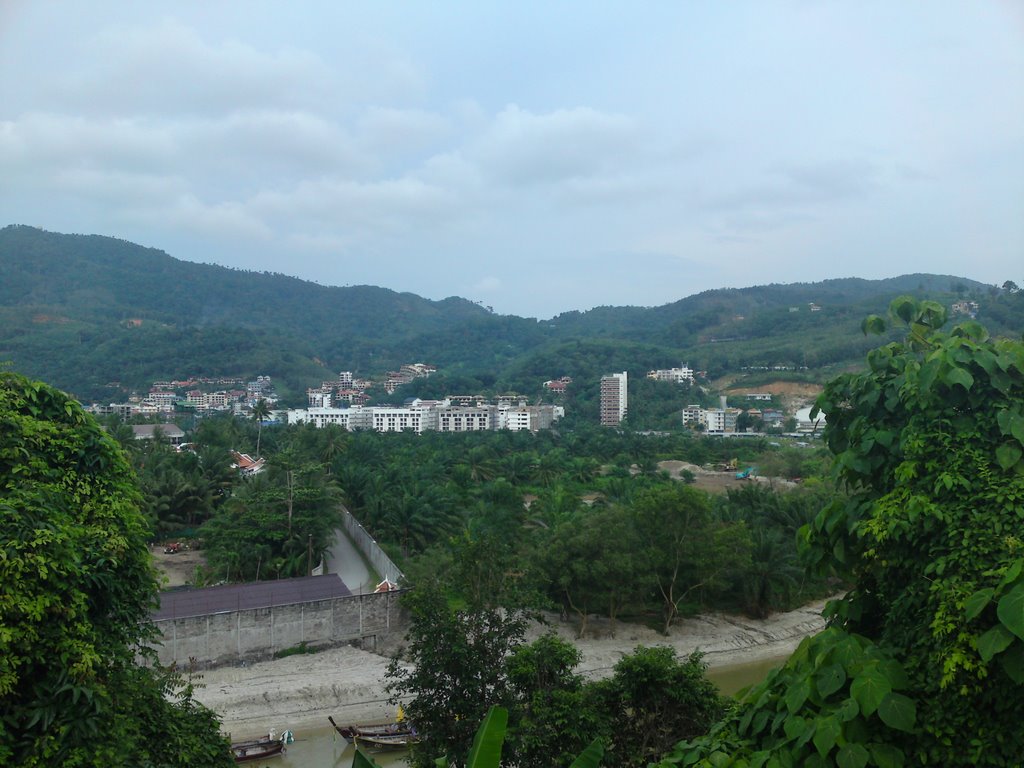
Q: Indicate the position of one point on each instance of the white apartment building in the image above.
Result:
(515, 419)
(613, 398)
(423, 415)
(415, 419)
(347, 418)
(121, 410)
(319, 398)
(682, 375)
(456, 418)
(209, 400)
(162, 399)
(693, 415)
(529, 417)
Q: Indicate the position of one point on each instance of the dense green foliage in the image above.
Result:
(468, 655)
(487, 747)
(463, 626)
(76, 588)
(86, 311)
(924, 661)
(585, 509)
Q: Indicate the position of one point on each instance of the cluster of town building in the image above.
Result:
(342, 402)
(712, 421)
(165, 397)
(453, 414)
(723, 420)
(615, 396)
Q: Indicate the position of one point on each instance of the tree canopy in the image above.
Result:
(924, 660)
(76, 589)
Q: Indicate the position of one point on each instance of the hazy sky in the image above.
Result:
(536, 157)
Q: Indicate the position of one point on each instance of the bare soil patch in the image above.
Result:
(706, 479)
(178, 569)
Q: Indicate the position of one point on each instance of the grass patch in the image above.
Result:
(295, 650)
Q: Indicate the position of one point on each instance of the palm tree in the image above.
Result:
(773, 574)
(260, 412)
(332, 445)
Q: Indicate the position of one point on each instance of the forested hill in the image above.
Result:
(83, 310)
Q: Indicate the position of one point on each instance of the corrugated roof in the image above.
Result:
(181, 604)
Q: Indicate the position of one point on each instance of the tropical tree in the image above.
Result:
(589, 564)
(651, 699)
(333, 443)
(924, 661)
(684, 549)
(76, 590)
(464, 623)
(773, 574)
(260, 413)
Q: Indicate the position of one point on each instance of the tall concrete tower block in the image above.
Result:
(613, 399)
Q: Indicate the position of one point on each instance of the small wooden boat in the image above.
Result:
(389, 732)
(389, 741)
(257, 749)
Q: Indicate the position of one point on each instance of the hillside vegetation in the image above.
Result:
(83, 311)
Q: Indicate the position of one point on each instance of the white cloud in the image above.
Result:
(523, 149)
(221, 221)
(388, 205)
(401, 146)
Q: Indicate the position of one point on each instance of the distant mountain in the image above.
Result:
(84, 311)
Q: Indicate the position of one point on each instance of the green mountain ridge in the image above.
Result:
(82, 311)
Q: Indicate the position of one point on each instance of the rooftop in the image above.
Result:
(181, 604)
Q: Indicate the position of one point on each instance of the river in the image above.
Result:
(323, 748)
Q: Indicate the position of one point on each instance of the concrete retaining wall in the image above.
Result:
(253, 635)
(370, 548)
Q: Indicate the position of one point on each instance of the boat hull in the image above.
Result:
(256, 750)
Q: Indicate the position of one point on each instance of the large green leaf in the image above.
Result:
(996, 640)
(830, 679)
(490, 736)
(959, 376)
(1011, 610)
(898, 711)
(1013, 663)
(591, 756)
(872, 324)
(1011, 423)
(797, 695)
(362, 760)
(1012, 573)
(852, 756)
(827, 730)
(847, 711)
(1008, 455)
(887, 756)
(976, 603)
(869, 689)
(795, 727)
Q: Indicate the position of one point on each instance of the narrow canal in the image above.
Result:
(323, 748)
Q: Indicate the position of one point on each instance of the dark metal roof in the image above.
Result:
(180, 604)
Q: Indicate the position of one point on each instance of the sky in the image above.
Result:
(534, 157)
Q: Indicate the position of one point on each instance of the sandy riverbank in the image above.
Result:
(301, 691)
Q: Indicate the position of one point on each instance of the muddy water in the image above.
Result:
(734, 677)
(323, 748)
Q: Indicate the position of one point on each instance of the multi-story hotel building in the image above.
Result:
(613, 399)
